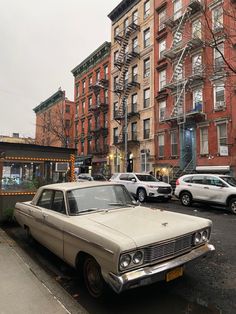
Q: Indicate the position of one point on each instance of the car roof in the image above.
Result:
(205, 174)
(67, 186)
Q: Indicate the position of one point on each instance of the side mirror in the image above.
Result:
(133, 180)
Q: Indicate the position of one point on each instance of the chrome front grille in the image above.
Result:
(167, 249)
(164, 190)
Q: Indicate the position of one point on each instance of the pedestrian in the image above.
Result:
(159, 176)
(151, 173)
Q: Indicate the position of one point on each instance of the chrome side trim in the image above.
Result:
(123, 282)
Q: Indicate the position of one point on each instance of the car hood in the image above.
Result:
(154, 183)
(144, 225)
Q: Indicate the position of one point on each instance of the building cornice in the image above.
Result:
(59, 95)
(121, 9)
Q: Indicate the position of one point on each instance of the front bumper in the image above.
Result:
(150, 274)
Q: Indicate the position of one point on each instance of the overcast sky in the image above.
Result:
(40, 43)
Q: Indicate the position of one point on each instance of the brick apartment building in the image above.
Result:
(194, 88)
(132, 76)
(92, 101)
(54, 121)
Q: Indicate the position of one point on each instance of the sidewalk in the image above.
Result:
(22, 290)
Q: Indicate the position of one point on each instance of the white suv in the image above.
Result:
(208, 188)
(143, 185)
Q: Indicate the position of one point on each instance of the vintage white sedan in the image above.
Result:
(98, 228)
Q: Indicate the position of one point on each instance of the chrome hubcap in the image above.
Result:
(185, 199)
(141, 195)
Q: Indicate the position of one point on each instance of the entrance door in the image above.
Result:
(189, 146)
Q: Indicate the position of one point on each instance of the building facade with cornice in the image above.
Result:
(132, 76)
(92, 107)
(54, 121)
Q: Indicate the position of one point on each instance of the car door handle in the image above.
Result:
(206, 187)
(189, 184)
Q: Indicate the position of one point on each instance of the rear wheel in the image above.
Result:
(93, 279)
(141, 195)
(232, 205)
(186, 198)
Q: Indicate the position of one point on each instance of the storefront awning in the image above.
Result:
(216, 169)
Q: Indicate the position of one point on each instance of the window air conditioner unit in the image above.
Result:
(61, 166)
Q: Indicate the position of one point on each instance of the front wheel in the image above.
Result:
(186, 199)
(232, 205)
(141, 195)
(93, 279)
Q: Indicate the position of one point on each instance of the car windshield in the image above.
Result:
(102, 197)
(230, 180)
(146, 177)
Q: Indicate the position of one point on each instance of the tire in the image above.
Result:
(232, 205)
(186, 199)
(93, 279)
(141, 195)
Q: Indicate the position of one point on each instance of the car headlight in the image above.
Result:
(201, 236)
(125, 261)
(152, 186)
(137, 257)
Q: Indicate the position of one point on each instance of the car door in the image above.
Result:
(196, 187)
(124, 179)
(132, 184)
(215, 189)
(52, 203)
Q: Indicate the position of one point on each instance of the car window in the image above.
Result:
(45, 199)
(131, 176)
(58, 203)
(146, 178)
(198, 179)
(124, 177)
(188, 179)
(213, 181)
(230, 180)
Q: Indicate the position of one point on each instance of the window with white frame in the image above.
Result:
(90, 80)
(162, 79)
(197, 99)
(97, 75)
(162, 17)
(146, 38)
(197, 64)
(162, 48)
(177, 9)
(161, 144)
(77, 90)
(146, 98)
(134, 100)
(219, 96)
(115, 109)
(217, 18)
(115, 135)
(116, 31)
(162, 110)
(204, 149)
(106, 71)
(116, 56)
(146, 67)
(106, 96)
(135, 45)
(145, 166)
(146, 9)
(135, 17)
(83, 86)
(222, 139)
(135, 73)
(218, 57)
(126, 24)
(146, 129)
(197, 29)
(90, 102)
(174, 143)
(83, 107)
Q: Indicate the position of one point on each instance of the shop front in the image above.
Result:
(26, 167)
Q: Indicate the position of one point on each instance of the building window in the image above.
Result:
(197, 99)
(90, 102)
(82, 148)
(90, 80)
(134, 104)
(98, 76)
(76, 129)
(115, 109)
(162, 110)
(106, 72)
(89, 125)
(135, 17)
(76, 110)
(83, 107)
(222, 139)
(197, 29)
(116, 31)
(67, 124)
(89, 146)
(134, 136)
(105, 121)
(219, 96)
(67, 108)
(82, 126)
(161, 144)
(177, 9)
(174, 143)
(115, 135)
(97, 123)
(218, 58)
(106, 96)
(116, 56)
(197, 64)
(135, 45)
(146, 38)
(146, 129)
(145, 166)
(146, 67)
(162, 79)
(146, 98)
(146, 9)
(135, 73)
(126, 24)
(98, 100)
(162, 17)
(204, 140)
(162, 48)
(217, 18)
(83, 87)
(77, 90)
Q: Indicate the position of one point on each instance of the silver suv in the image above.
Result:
(209, 188)
(143, 185)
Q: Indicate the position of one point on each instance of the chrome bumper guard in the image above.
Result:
(150, 274)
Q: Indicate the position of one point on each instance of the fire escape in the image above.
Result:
(126, 81)
(181, 81)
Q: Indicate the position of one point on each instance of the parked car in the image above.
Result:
(88, 177)
(208, 188)
(143, 185)
(99, 229)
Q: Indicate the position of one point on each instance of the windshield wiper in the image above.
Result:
(121, 204)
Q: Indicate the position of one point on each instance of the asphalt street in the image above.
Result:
(207, 287)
